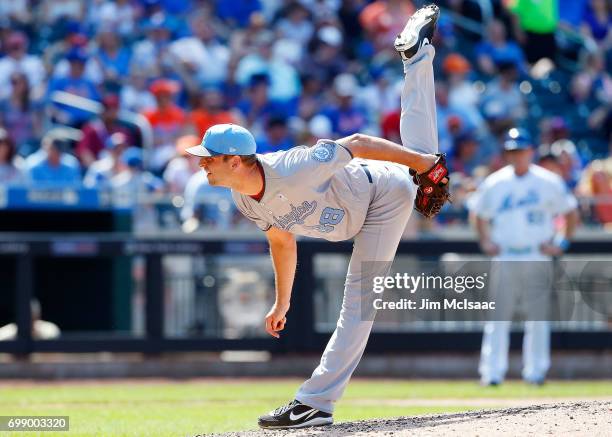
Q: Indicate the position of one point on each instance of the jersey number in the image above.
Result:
(535, 217)
(329, 218)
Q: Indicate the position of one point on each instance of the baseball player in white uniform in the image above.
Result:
(357, 187)
(514, 211)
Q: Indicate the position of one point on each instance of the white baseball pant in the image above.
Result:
(514, 279)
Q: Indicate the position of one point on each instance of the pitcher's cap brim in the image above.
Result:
(201, 151)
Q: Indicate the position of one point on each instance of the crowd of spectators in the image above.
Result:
(293, 71)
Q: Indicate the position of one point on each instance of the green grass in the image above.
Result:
(195, 407)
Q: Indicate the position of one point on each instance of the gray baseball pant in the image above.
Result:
(375, 245)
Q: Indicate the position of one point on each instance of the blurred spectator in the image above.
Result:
(571, 13)
(535, 23)
(464, 156)
(150, 8)
(504, 92)
(496, 49)
(311, 99)
(257, 106)
(284, 80)
(74, 83)
(597, 78)
(346, 117)
(319, 127)
(98, 131)
(205, 204)
(549, 162)
(596, 184)
(17, 59)
(380, 96)
(21, 114)
(135, 95)
(348, 14)
(590, 113)
(242, 41)
(203, 55)
(288, 51)
(150, 55)
(461, 91)
(211, 111)
(553, 129)
(276, 136)
(53, 167)
(565, 152)
(53, 11)
(325, 60)
(597, 22)
(390, 127)
(133, 180)
(118, 14)
(10, 172)
(237, 12)
(296, 24)
(132, 186)
(72, 35)
(74, 40)
(383, 20)
(100, 172)
(181, 168)
(602, 85)
(451, 120)
(17, 11)
(167, 120)
(112, 56)
(445, 40)
(323, 11)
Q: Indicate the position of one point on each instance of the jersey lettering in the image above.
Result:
(296, 216)
(531, 198)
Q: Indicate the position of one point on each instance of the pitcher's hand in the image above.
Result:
(275, 319)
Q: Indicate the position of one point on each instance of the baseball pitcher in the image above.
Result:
(358, 187)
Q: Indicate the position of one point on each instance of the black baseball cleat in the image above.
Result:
(294, 415)
(418, 31)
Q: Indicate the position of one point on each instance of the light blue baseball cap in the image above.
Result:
(225, 139)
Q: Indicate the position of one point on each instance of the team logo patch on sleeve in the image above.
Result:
(323, 152)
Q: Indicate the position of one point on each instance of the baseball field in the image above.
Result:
(202, 406)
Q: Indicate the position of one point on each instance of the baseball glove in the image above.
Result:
(432, 192)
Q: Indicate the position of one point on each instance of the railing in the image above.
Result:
(307, 331)
(213, 207)
(96, 108)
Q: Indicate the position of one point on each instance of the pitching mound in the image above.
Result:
(590, 419)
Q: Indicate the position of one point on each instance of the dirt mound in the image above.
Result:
(592, 418)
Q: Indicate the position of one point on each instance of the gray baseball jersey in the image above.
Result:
(317, 191)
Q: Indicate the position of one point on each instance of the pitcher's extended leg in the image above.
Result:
(373, 253)
(418, 123)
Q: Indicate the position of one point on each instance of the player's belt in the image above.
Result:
(367, 172)
(518, 250)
